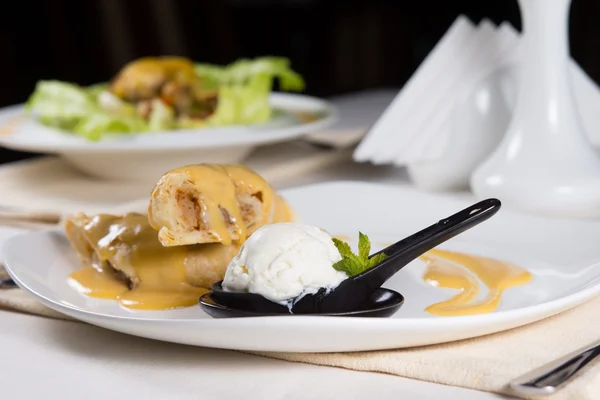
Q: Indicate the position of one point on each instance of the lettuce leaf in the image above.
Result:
(242, 71)
(213, 76)
(243, 89)
(113, 104)
(94, 91)
(162, 117)
(96, 125)
(245, 86)
(74, 108)
(243, 104)
(60, 100)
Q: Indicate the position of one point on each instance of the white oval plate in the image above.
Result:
(33, 136)
(555, 251)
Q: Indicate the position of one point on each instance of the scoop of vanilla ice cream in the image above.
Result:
(281, 261)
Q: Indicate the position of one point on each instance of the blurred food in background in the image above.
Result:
(165, 93)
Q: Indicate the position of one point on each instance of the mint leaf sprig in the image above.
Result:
(354, 264)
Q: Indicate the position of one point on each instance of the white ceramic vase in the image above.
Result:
(544, 164)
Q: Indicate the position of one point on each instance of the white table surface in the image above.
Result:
(44, 358)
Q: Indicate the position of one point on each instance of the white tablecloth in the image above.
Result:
(43, 358)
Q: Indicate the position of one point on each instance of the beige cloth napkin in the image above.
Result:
(486, 363)
(18, 300)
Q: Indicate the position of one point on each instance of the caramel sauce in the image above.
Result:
(97, 282)
(217, 192)
(105, 285)
(226, 195)
(131, 266)
(163, 298)
(464, 272)
(249, 183)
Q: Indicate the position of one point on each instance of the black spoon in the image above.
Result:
(357, 292)
(382, 303)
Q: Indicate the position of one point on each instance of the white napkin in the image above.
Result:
(393, 127)
(417, 124)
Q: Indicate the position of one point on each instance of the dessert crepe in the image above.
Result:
(199, 216)
(128, 247)
(213, 204)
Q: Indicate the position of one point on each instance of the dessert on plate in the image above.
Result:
(205, 213)
(209, 223)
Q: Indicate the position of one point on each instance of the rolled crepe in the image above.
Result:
(211, 203)
(127, 246)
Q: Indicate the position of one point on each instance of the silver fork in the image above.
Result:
(554, 375)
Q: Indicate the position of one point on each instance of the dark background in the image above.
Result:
(338, 46)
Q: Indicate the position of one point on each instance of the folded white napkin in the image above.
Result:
(419, 123)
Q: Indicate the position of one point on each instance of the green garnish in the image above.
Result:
(354, 264)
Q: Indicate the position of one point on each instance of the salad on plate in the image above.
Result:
(153, 94)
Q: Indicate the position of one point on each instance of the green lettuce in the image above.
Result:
(94, 91)
(74, 108)
(96, 125)
(244, 88)
(162, 117)
(60, 100)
